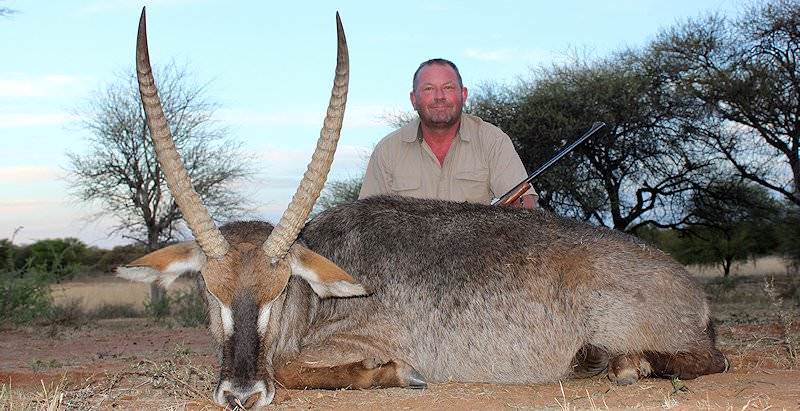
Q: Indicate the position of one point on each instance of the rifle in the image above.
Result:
(515, 193)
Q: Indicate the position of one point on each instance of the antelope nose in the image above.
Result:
(236, 401)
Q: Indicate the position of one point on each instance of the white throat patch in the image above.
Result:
(263, 318)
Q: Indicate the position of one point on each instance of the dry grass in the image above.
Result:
(174, 383)
(760, 266)
(96, 294)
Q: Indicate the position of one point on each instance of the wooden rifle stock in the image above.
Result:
(513, 195)
(519, 190)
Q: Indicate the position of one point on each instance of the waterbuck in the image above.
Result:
(398, 292)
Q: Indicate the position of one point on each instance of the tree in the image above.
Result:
(729, 221)
(631, 174)
(119, 172)
(338, 192)
(745, 80)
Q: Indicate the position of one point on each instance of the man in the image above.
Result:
(444, 153)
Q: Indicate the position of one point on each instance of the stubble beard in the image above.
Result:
(440, 120)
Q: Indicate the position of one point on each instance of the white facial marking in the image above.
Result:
(227, 319)
(263, 318)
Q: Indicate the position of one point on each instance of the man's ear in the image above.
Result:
(324, 277)
(165, 265)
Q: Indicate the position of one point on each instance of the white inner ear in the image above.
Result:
(193, 262)
(323, 289)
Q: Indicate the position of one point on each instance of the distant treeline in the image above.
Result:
(64, 258)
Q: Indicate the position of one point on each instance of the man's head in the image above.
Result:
(438, 94)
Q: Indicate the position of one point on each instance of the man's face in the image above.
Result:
(438, 97)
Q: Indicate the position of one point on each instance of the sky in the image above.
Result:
(269, 66)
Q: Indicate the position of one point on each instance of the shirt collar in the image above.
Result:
(412, 132)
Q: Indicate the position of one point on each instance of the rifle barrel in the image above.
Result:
(549, 163)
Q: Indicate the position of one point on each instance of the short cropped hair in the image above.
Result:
(440, 61)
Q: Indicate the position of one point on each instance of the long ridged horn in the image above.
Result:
(285, 233)
(205, 231)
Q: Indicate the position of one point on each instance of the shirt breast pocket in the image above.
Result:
(405, 184)
(474, 185)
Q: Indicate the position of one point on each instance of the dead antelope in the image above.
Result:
(398, 292)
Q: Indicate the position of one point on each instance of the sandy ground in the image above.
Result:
(136, 364)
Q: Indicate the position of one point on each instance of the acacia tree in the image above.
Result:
(631, 174)
(745, 81)
(730, 220)
(119, 171)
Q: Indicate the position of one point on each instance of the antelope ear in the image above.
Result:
(165, 265)
(324, 277)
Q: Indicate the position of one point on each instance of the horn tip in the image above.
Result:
(142, 53)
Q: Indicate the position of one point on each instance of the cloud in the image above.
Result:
(50, 85)
(15, 120)
(28, 174)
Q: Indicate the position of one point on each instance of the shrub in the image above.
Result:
(159, 309)
(189, 309)
(24, 295)
(114, 311)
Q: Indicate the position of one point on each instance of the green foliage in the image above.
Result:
(114, 311)
(729, 221)
(338, 192)
(108, 260)
(69, 313)
(186, 308)
(788, 233)
(189, 309)
(159, 309)
(61, 258)
(742, 77)
(625, 175)
(24, 295)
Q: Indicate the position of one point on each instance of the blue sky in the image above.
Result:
(270, 67)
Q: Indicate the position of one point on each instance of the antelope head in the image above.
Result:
(245, 266)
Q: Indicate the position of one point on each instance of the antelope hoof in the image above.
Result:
(627, 376)
(407, 375)
(416, 380)
(628, 369)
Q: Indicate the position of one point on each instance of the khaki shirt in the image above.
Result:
(480, 165)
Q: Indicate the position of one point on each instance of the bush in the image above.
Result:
(189, 309)
(70, 313)
(159, 309)
(62, 258)
(24, 296)
(108, 260)
(114, 311)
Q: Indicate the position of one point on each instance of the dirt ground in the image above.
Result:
(137, 364)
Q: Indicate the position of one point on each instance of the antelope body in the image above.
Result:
(397, 292)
